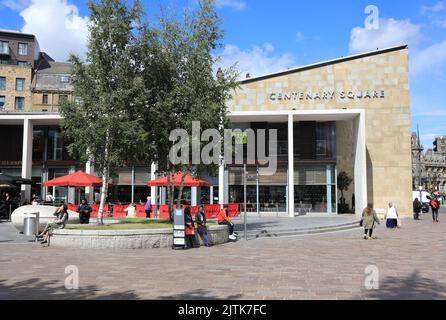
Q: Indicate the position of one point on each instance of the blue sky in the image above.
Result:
(266, 36)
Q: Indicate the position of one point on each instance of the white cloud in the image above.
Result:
(440, 23)
(426, 59)
(238, 5)
(438, 7)
(390, 32)
(257, 61)
(58, 27)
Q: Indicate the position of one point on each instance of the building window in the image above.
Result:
(19, 84)
(19, 103)
(65, 79)
(62, 97)
(45, 99)
(4, 47)
(4, 61)
(2, 83)
(22, 63)
(2, 102)
(23, 49)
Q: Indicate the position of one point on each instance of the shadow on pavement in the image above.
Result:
(413, 287)
(34, 289)
(199, 294)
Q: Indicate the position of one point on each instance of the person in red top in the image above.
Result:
(434, 206)
(190, 228)
(222, 219)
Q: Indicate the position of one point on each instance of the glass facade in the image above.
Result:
(314, 170)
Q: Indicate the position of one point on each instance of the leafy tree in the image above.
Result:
(177, 64)
(103, 122)
(344, 182)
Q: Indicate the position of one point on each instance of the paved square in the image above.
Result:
(411, 263)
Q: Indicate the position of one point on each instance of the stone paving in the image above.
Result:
(411, 263)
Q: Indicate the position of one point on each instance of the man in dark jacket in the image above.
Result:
(417, 206)
(201, 226)
(84, 211)
(435, 206)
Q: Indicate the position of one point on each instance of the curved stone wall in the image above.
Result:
(127, 239)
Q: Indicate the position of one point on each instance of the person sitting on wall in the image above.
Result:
(222, 219)
(190, 228)
(61, 214)
(131, 210)
(84, 211)
(202, 226)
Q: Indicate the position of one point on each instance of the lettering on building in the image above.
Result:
(327, 95)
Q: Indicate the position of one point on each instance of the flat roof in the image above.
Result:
(16, 33)
(325, 63)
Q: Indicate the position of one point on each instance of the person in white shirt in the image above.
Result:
(391, 217)
(131, 210)
(49, 197)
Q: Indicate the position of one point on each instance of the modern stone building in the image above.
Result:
(350, 114)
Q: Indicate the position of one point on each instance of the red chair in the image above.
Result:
(140, 211)
(118, 211)
(72, 207)
(233, 210)
(164, 211)
(211, 210)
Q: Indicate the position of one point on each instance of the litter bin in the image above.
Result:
(31, 225)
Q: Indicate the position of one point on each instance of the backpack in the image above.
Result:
(434, 203)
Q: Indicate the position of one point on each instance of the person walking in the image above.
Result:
(417, 206)
(369, 218)
(84, 211)
(391, 217)
(435, 206)
(148, 207)
(190, 228)
(201, 226)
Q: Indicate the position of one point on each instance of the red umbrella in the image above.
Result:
(76, 179)
(189, 181)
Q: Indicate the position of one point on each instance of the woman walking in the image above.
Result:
(391, 217)
(369, 218)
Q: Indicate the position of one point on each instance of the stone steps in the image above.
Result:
(255, 234)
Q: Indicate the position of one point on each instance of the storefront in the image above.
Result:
(349, 115)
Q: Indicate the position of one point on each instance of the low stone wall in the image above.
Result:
(127, 239)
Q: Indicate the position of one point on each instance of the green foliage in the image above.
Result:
(344, 182)
(102, 123)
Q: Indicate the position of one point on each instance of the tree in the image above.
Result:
(103, 123)
(344, 182)
(177, 64)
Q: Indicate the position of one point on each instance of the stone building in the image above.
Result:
(432, 166)
(349, 114)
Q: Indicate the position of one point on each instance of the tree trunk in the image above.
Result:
(104, 190)
(180, 191)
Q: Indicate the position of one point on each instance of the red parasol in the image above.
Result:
(189, 181)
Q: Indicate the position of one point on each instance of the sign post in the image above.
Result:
(179, 233)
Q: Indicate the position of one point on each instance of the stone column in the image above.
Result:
(291, 165)
(194, 196)
(89, 191)
(153, 193)
(360, 164)
(27, 158)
